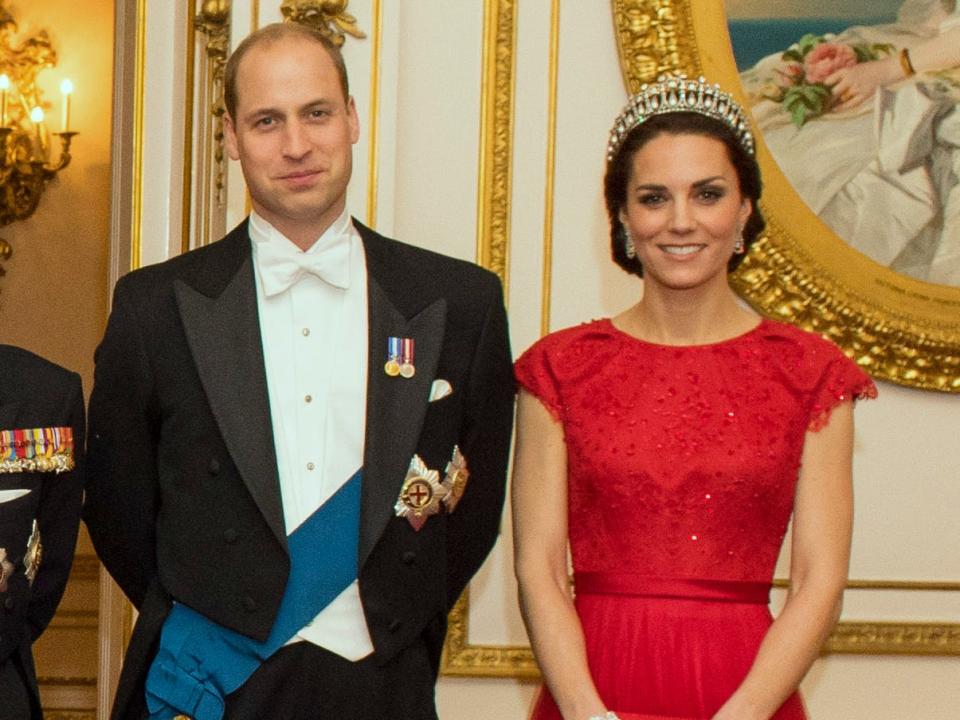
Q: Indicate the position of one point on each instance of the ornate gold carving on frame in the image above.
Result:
(655, 36)
(895, 638)
(213, 21)
(327, 16)
(373, 160)
(496, 136)
(896, 328)
(461, 659)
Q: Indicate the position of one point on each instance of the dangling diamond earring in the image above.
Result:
(628, 247)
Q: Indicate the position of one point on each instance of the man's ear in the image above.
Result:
(230, 137)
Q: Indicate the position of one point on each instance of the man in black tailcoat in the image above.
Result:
(41, 439)
(237, 388)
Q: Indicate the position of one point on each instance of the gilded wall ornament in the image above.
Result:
(213, 21)
(328, 16)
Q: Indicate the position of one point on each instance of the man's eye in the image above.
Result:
(265, 121)
(317, 114)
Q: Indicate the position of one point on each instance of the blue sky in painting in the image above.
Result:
(756, 38)
(761, 27)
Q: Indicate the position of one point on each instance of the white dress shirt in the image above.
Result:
(314, 337)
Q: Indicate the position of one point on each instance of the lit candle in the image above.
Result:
(4, 86)
(66, 87)
(36, 117)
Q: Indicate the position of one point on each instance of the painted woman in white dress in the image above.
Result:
(882, 166)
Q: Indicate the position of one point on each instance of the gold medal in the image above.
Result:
(392, 367)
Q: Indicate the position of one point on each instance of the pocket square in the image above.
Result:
(8, 495)
(439, 389)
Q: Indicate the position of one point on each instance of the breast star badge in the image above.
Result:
(455, 479)
(420, 495)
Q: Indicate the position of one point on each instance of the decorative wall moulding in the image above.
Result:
(328, 16)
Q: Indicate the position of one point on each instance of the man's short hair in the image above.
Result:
(270, 34)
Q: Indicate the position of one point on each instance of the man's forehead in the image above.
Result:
(255, 72)
(303, 48)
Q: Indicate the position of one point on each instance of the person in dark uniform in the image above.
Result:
(298, 434)
(41, 490)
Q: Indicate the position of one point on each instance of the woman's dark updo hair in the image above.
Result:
(680, 123)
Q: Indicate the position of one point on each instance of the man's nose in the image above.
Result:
(296, 142)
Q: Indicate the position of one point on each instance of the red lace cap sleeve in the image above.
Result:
(534, 373)
(841, 380)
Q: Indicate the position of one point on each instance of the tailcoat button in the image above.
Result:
(214, 467)
(230, 535)
(408, 557)
(394, 626)
(249, 604)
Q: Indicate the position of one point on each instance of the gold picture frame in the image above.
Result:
(897, 328)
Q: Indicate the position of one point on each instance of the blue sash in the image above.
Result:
(200, 662)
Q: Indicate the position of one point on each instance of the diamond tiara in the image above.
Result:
(675, 93)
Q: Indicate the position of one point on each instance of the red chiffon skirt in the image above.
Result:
(678, 650)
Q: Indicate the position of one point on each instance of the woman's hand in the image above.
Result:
(854, 85)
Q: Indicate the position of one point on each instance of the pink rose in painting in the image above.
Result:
(825, 59)
(788, 74)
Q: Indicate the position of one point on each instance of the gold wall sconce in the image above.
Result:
(26, 152)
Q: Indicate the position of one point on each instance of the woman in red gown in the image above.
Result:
(670, 444)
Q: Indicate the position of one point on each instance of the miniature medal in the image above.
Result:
(392, 366)
(407, 370)
(420, 494)
(455, 480)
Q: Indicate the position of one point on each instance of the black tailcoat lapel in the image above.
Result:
(221, 321)
(396, 406)
(222, 326)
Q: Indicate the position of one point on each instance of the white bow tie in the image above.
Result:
(280, 267)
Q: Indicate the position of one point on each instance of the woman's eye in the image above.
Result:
(711, 193)
(651, 199)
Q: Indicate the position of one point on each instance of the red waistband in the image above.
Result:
(610, 583)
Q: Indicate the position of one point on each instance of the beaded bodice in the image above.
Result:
(682, 461)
